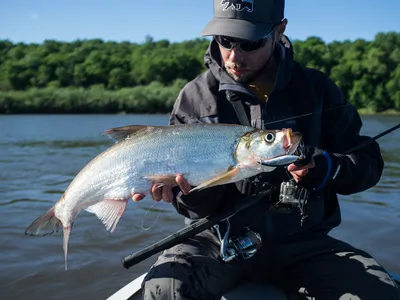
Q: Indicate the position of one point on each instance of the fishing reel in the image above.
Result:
(244, 246)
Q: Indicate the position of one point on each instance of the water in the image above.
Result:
(39, 156)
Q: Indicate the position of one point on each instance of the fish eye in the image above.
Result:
(269, 137)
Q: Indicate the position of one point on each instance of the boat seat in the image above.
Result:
(254, 291)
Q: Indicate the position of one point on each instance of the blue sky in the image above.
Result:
(132, 20)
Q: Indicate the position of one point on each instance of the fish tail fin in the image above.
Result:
(45, 224)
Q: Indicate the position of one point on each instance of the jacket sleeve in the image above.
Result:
(352, 171)
(205, 202)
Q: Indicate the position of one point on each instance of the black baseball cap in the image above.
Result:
(245, 19)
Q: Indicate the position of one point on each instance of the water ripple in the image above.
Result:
(53, 191)
(13, 201)
(59, 144)
(366, 202)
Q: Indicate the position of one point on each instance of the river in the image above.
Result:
(40, 154)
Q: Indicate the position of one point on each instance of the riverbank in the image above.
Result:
(96, 76)
(369, 112)
(154, 98)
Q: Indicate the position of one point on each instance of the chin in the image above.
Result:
(246, 78)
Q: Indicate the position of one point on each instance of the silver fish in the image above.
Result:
(205, 154)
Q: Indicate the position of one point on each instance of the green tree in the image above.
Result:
(368, 72)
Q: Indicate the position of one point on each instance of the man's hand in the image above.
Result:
(312, 171)
(299, 172)
(164, 192)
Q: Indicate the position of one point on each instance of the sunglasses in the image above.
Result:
(245, 46)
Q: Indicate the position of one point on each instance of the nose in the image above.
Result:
(235, 54)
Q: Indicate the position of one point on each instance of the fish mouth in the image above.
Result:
(280, 160)
(294, 148)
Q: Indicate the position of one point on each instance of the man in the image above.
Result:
(250, 62)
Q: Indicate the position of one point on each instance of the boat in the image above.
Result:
(248, 290)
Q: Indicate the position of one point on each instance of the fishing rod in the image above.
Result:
(375, 137)
(206, 223)
(189, 231)
(309, 114)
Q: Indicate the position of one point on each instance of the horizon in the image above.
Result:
(182, 41)
(34, 22)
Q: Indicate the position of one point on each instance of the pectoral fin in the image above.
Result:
(219, 180)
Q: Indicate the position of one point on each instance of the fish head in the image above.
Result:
(271, 147)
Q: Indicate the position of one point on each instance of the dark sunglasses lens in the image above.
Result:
(245, 46)
(251, 46)
(224, 42)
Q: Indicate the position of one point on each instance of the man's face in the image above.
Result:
(240, 65)
(244, 59)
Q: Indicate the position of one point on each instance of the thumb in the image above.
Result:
(293, 167)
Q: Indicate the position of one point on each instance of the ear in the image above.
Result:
(280, 29)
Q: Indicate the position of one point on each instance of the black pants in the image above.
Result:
(322, 268)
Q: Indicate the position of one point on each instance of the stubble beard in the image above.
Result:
(245, 78)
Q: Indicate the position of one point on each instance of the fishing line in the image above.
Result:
(308, 114)
(158, 215)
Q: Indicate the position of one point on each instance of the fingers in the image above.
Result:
(293, 167)
(298, 175)
(156, 192)
(137, 197)
(299, 172)
(164, 192)
(167, 194)
(183, 184)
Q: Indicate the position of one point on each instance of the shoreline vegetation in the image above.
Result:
(96, 76)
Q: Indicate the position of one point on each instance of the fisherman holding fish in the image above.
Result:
(255, 126)
(253, 77)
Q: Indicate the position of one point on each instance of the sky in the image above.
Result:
(132, 20)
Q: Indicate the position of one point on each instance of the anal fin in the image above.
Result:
(221, 179)
(109, 211)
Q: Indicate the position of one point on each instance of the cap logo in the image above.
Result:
(238, 5)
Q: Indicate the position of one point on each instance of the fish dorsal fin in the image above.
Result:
(121, 133)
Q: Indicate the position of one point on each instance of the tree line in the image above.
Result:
(106, 76)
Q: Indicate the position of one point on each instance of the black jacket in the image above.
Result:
(297, 91)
